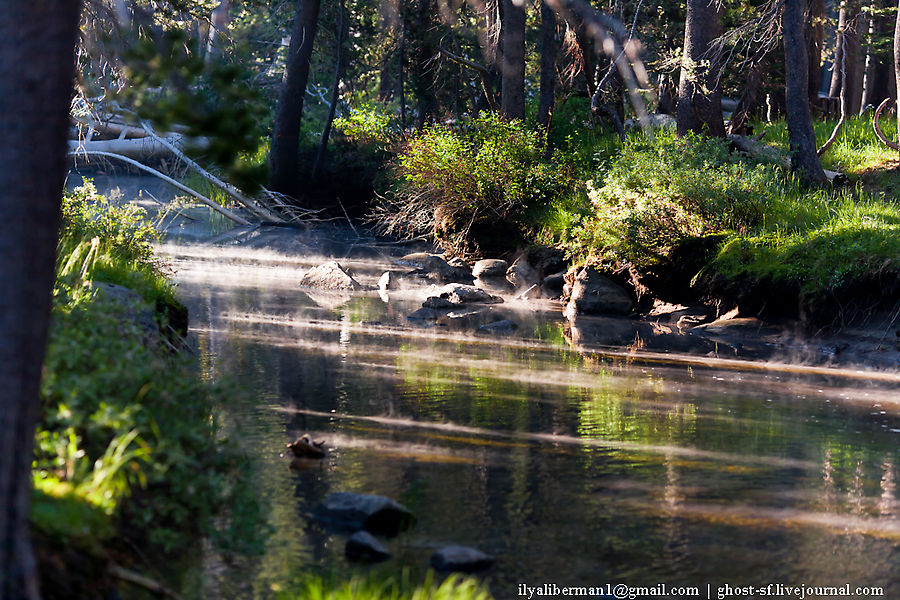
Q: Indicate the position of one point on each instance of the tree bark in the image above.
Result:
(512, 90)
(37, 44)
(804, 159)
(877, 68)
(218, 22)
(815, 31)
(699, 101)
(548, 66)
(846, 55)
(389, 25)
(284, 153)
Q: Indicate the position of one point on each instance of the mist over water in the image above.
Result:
(574, 467)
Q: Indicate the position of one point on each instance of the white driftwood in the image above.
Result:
(226, 187)
(216, 207)
(878, 132)
(143, 148)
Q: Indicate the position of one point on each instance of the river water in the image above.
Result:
(569, 466)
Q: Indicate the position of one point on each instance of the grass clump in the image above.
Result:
(454, 587)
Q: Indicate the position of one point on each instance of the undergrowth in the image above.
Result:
(454, 587)
(127, 427)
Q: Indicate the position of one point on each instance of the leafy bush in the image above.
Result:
(448, 180)
(454, 587)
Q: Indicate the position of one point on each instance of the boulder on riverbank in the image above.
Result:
(490, 267)
(330, 276)
(594, 294)
(348, 511)
(461, 559)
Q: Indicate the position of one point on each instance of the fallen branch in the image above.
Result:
(139, 580)
(877, 127)
(216, 207)
(226, 187)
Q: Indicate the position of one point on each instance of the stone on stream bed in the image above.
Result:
(490, 267)
(330, 276)
(363, 546)
(457, 293)
(521, 274)
(348, 511)
(502, 326)
(461, 559)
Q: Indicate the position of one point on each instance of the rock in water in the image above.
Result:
(552, 286)
(458, 293)
(330, 276)
(388, 281)
(461, 559)
(351, 512)
(502, 326)
(362, 545)
(434, 268)
(594, 294)
(490, 267)
(521, 274)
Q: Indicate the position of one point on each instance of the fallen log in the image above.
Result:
(145, 148)
(757, 149)
(216, 207)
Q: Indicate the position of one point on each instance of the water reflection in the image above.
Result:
(567, 468)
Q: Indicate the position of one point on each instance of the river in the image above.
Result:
(570, 467)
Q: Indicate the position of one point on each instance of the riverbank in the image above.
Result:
(132, 466)
(688, 221)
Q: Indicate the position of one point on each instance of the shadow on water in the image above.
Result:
(572, 468)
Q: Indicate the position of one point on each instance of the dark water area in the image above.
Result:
(570, 467)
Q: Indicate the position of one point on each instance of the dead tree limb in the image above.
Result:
(216, 207)
(484, 73)
(224, 186)
(877, 127)
(144, 582)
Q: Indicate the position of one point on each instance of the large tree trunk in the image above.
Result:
(37, 43)
(804, 159)
(548, 66)
(699, 111)
(218, 23)
(512, 90)
(815, 32)
(284, 153)
(335, 92)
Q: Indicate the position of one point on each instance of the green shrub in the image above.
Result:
(449, 179)
(454, 587)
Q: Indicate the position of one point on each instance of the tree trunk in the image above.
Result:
(218, 22)
(512, 90)
(804, 159)
(846, 56)
(548, 66)
(326, 132)
(284, 153)
(815, 31)
(740, 119)
(698, 110)
(389, 25)
(37, 44)
(877, 68)
(423, 81)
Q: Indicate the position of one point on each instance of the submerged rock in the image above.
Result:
(351, 512)
(466, 319)
(490, 267)
(502, 326)
(330, 276)
(437, 303)
(460, 558)
(424, 314)
(595, 294)
(362, 545)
